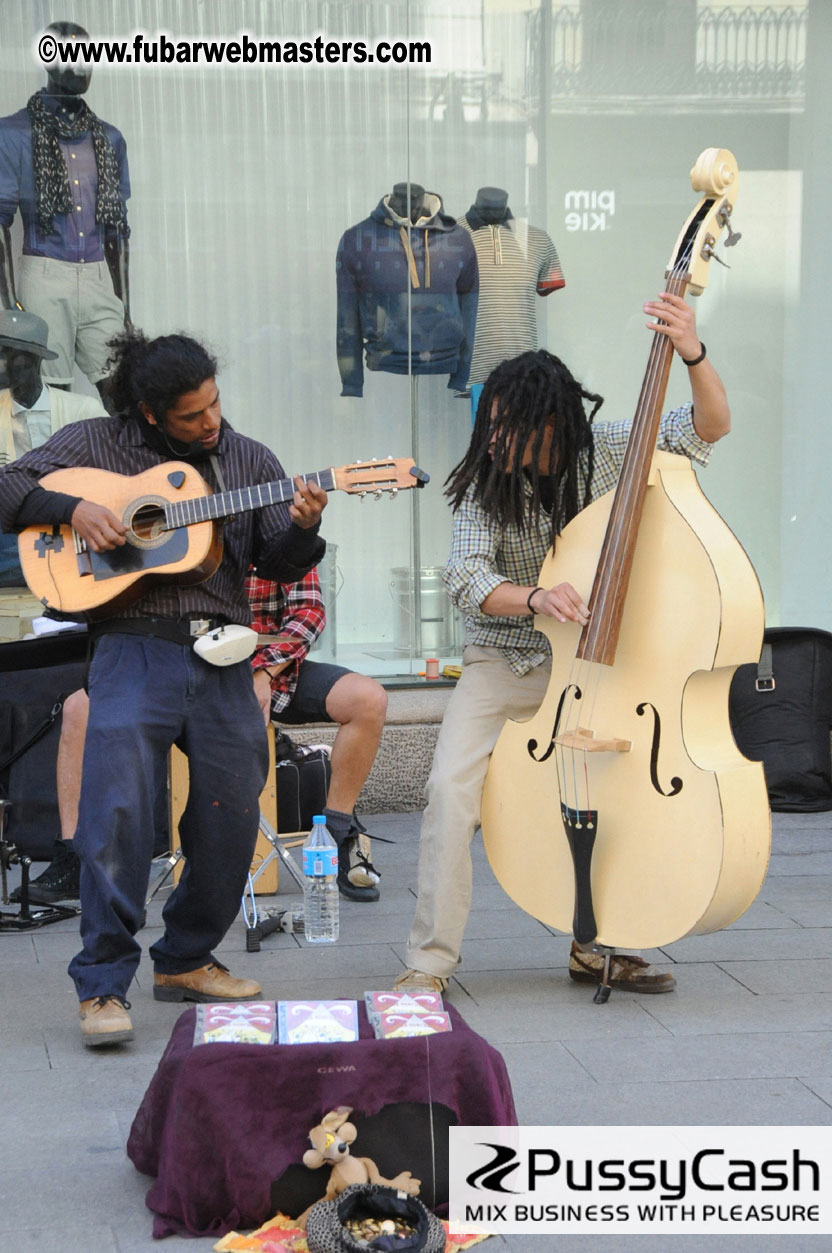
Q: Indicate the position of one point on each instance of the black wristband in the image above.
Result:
(532, 593)
(696, 360)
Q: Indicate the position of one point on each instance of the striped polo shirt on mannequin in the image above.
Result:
(517, 262)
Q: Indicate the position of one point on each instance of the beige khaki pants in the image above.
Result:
(487, 693)
(78, 304)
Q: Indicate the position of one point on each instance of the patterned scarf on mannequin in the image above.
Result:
(51, 178)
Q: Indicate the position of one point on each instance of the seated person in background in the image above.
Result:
(291, 690)
(30, 411)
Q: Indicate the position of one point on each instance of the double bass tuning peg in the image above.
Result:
(724, 219)
(709, 252)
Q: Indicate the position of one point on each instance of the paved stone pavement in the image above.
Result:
(746, 1038)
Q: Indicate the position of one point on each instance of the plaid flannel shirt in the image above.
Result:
(295, 612)
(483, 556)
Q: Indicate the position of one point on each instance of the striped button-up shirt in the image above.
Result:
(484, 555)
(265, 538)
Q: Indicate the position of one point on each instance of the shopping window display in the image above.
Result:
(361, 244)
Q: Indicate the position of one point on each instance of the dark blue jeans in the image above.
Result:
(145, 695)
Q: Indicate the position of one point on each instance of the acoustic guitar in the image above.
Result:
(174, 533)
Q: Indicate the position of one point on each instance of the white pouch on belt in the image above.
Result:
(226, 645)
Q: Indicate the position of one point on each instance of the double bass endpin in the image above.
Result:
(602, 992)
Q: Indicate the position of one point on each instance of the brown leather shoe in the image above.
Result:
(208, 983)
(420, 981)
(628, 973)
(105, 1020)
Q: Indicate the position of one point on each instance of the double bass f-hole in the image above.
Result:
(676, 783)
(531, 747)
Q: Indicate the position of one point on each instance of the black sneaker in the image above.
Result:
(60, 881)
(357, 876)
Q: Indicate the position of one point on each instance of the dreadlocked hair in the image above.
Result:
(535, 393)
(156, 371)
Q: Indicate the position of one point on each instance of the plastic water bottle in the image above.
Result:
(320, 893)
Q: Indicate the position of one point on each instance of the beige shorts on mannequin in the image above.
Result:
(77, 302)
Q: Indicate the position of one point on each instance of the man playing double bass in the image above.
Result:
(534, 461)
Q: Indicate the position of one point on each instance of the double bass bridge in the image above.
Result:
(583, 740)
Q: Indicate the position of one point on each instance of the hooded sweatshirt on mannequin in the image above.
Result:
(407, 295)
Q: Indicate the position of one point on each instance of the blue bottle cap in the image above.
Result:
(320, 819)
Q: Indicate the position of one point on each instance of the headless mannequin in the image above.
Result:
(492, 205)
(66, 84)
(398, 201)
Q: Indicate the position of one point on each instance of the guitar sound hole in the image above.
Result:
(148, 524)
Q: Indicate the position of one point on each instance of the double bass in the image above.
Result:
(641, 821)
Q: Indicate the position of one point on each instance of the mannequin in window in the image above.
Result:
(30, 411)
(407, 291)
(398, 201)
(66, 170)
(492, 205)
(516, 263)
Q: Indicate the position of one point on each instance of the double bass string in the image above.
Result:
(660, 349)
(579, 671)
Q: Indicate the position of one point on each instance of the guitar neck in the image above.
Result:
(240, 500)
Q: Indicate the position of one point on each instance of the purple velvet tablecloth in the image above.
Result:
(220, 1122)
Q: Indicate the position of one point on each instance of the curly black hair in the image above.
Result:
(534, 392)
(156, 371)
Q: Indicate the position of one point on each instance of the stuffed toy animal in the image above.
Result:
(331, 1141)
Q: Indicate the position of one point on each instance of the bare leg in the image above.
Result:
(359, 705)
(70, 760)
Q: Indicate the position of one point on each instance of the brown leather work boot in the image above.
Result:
(208, 983)
(105, 1020)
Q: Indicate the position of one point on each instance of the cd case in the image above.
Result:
(317, 1022)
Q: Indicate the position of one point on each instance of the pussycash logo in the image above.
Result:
(708, 1170)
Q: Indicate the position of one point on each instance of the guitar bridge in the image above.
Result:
(82, 555)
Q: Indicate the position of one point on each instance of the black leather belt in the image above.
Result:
(175, 630)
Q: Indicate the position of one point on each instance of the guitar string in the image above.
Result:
(221, 504)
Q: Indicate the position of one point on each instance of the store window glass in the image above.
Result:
(360, 244)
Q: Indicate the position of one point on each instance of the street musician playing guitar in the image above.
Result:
(148, 687)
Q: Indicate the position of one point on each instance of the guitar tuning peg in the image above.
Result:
(378, 493)
(394, 491)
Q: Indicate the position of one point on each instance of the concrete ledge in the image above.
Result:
(400, 771)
